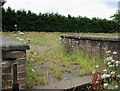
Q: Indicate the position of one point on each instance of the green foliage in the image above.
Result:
(54, 22)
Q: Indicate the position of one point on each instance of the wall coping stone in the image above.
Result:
(9, 44)
(90, 38)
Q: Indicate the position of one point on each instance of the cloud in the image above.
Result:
(92, 8)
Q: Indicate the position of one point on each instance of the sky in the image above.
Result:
(88, 8)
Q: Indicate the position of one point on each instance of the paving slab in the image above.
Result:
(67, 83)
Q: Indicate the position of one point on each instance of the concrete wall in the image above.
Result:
(91, 45)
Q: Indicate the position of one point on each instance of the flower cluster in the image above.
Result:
(110, 75)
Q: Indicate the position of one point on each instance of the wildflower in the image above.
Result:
(31, 58)
(15, 34)
(109, 58)
(27, 38)
(77, 42)
(97, 66)
(15, 25)
(20, 39)
(116, 87)
(18, 31)
(104, 76)
(60, 38)
(113, 61)
(21, 33)
(93, 72)
(25, 42)
(108, 63)
(105, 70)
(117, 62)
(108, 75)
(37, 56)
(118, 76)
(108, 51)
(72, 46)
(97, 82)
(114, 53)
(32, 70)
(110, 66)
(112, 73)
(30, 47)
(36, 53)
(117, 65)
(105, 85)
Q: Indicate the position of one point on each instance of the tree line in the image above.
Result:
(22, 20)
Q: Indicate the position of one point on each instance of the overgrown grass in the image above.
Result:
(56, 60)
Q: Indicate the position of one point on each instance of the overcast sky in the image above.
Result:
(88, 8)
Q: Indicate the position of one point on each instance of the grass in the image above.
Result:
(56, 60)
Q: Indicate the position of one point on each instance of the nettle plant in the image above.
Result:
(107, 77)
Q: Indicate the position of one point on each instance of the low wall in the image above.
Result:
(13, 64)
(91, 45)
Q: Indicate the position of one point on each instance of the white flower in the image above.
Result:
(112, 73)
(118, 76)
(30, 47)
(117, 65)
(15, 25)
(35, 53)
(15, 34)
(105, 70)
(116, 87)
(21, 33)
(111, 66)
(109, 58)
(20, 39)
(77, 42)
(114, 53)
(113, 61)
(108, 75)
(105, 85)
(32, 70)
(108, 63)
(72, 46)
(97, 66)
(60, 38)
(27, 38)
(108, 51)
(104, 76)
(31, 58)
(117, 62)
(93, 72)
(97, 82)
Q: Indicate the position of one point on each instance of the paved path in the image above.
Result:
(67, 84)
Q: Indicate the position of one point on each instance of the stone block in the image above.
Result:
(6, 84)
(6, 70)
(13, 54)
(21, 75)
(7, 76)
(21, 68)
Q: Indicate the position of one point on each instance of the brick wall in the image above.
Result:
(13, 64)
(91, 45)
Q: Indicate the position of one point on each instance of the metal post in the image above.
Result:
(15, 86)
